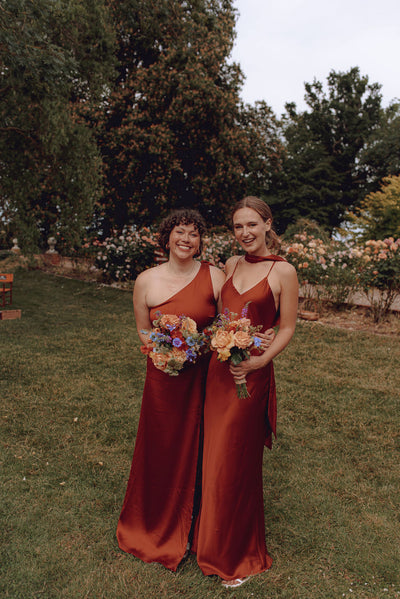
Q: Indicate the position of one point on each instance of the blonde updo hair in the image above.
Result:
(271, 238)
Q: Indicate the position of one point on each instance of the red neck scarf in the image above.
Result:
(271, 257)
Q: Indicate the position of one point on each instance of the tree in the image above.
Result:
(54, 56)
(378, 216)
(171, 133)
(265, 149)
(381, 155)
(321, 178)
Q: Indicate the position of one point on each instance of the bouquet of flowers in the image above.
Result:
(174, 341)
(233, 338)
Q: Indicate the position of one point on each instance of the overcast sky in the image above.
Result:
(282, 44)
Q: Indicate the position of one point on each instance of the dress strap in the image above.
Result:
(269, 272)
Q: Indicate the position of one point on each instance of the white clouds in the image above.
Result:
(283, 44)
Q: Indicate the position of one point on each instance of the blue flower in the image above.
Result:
(177, 342)
(190, 355)
(257, 341)
(190, 341)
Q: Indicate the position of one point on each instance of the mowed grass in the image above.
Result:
(71, 383)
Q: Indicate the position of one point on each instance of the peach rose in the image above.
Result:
(223, 340)
(179, 355)
(242, 339)
(159, 360)
(189, 326)
(169, 320)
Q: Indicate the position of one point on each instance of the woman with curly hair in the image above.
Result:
(159, 509)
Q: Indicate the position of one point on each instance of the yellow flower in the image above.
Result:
(224, 354)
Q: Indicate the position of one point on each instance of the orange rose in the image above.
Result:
(169, 320)
(242, 339)
(189, 326)
(223, 340)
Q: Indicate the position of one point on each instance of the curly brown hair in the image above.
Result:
(271, 238)
(183, 216)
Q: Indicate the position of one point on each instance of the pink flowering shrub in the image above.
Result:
(379, 274)
(332, 271)
(307, 254)
(123, 256)
(328, 271)
(218, 246)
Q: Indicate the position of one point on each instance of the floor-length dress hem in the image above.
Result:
(230, 539)
(157, 512)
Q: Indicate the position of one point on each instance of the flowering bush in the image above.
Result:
(379, 274)
(122, 257)
(333, 271)
(218, 246)
(307, 254)
(328, 270)
(339, 281)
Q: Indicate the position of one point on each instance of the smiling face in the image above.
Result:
(184, 241)
(250, 229)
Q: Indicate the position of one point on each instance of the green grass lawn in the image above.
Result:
(71, 382)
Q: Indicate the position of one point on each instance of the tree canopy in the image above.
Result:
(114, 112)
(378, 216)
(54, 55)
(173, 131)
(321, 177)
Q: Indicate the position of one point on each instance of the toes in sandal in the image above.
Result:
(236, 582)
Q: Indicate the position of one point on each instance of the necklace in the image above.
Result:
(182, 276)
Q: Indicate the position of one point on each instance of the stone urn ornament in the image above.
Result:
(52, 256)
(15, 247)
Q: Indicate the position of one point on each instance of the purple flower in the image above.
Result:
(177, 342)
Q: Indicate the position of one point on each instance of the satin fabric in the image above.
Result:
(156, 516)
(272, 257)
(230, 539)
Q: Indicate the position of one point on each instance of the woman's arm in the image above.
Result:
(140, 307)
(288, 300)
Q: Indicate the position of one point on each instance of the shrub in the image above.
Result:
(218, 246)
(123, 256)
(379, 274)
(307, 254)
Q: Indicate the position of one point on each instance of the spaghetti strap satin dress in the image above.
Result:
(230, 539)
(156, 516)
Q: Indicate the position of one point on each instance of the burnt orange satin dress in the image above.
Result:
(230, 540)
(156, 516)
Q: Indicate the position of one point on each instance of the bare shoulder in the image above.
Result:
(230, 264)
(286, 270)
(216, 273)
(148, 276)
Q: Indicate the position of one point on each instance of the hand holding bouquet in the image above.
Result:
(233, 338)
(173, 342)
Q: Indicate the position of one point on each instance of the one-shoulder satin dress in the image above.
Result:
(156, 516)
(230, 540)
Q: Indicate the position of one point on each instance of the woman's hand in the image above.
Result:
(266, 339)
(240, 371)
